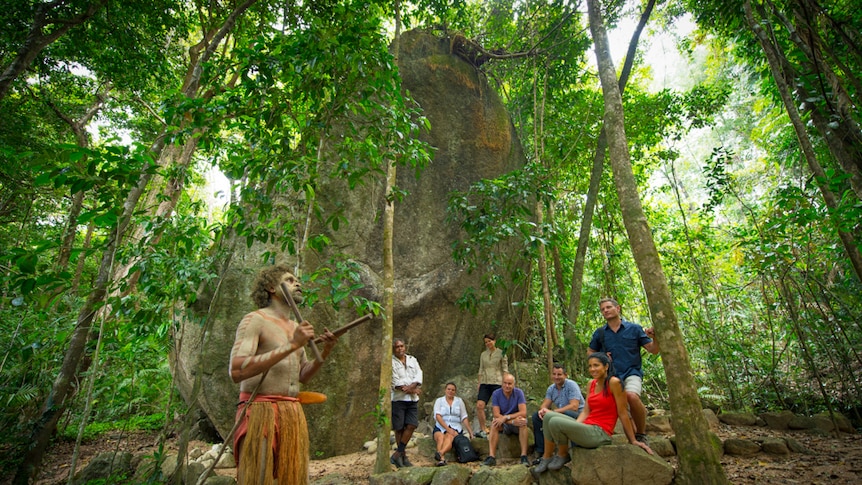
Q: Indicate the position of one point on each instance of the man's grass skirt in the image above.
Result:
(271, 443)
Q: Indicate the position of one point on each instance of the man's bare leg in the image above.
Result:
(638, 412)
(524, 437)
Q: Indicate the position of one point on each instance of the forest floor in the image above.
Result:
(833, 460)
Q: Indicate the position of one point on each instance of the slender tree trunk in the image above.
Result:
(698, 457)
(384, 400)
(776, 66)
(38, 39)
(548, 313)
(596, 177)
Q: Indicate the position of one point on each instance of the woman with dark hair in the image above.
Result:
(450, 415)
(492, 366)
(606, 402)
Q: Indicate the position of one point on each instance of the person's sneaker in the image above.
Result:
(542, 466)
(525, 461)
(405, 461)
(481, 434)
(558, 461)
(537, 460)
(490, 461)
(441, 463)
(641, 437)
(437, 456)
(397, 459)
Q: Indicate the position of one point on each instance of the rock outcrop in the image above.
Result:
(473, 138)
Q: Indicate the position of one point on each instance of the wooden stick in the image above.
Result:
(342, 330)
(289, 299)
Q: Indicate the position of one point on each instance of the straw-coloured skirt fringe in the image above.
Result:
(275, 447)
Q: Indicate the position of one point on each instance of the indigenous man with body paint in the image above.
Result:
(268, 355)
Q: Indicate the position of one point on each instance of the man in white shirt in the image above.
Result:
(406, 387)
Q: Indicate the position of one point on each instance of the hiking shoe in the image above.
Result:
(405, 461)
(481, 434)
(441, 463)
(558, 461)
(542, 466)
(641, 437)
(490, 461)
(397, 459)
(537, 460)
(525, 461)
(437, 456)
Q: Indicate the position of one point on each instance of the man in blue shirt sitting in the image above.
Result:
(510, 417)
(622, 341)
(565, 397)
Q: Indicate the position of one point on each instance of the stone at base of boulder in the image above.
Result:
(450, 475)
(508, 446)
(615, 464)
(514, 475)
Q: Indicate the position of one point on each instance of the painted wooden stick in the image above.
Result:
(289, 299)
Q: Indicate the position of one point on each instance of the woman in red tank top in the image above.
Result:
(606, 402)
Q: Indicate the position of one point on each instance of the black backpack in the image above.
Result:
(464, 449)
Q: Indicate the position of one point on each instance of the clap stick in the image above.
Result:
(289, 299)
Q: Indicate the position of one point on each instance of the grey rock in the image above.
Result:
(737, 419)
(615, 464)
(451, 475)
(802, 422)
(105, 465)
(514, 475)
(662, 446)
(741, 447)
(333, 479)
(774, 446)
(416, 475)
(194, 470)
(659, 424)
(797, 447)
(844, 424)
(220, 480)
(169, 466)
(711, 419)
(562, 476)
(777, 420)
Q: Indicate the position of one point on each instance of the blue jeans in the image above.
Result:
(539, 433)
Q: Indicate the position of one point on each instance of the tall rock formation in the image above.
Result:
(474, 139)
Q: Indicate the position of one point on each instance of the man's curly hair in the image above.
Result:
(267, 278)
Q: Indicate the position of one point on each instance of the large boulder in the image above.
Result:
(619, 464)
(473, 138)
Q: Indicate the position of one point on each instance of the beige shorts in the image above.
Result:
(633, 384)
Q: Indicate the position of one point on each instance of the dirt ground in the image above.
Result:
(833, 460)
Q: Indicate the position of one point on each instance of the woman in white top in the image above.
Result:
(450, 415)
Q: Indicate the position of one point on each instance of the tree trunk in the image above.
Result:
(698, 457)
(781, 76)
(548, 311)
(384, 400)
